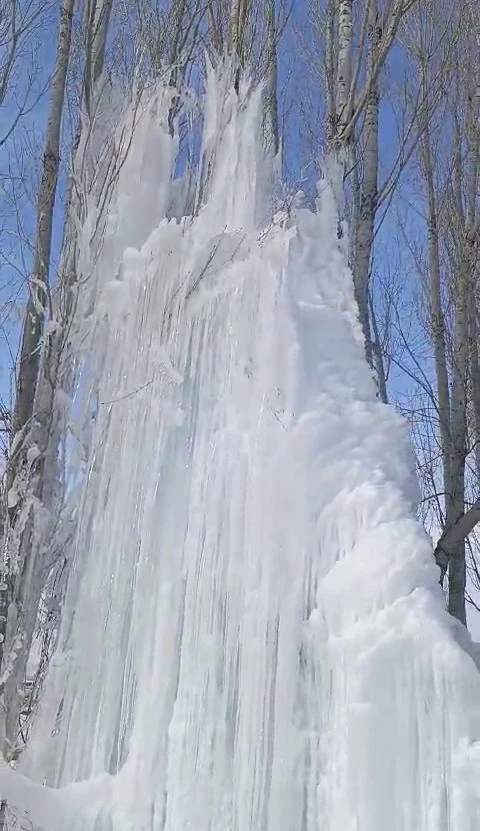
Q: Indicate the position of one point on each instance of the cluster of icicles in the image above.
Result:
(253, 637)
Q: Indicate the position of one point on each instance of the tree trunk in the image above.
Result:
(272, 130)
(236, 41)
(474, 337)
(97, 19)
(369, 190)
(458, 448)
(39, 291)
(464, 288)
(344, 70)
(330, 73)
(437, 329)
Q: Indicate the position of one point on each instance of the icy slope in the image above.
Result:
(254, 638)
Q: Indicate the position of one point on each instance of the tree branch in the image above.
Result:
(455, 534)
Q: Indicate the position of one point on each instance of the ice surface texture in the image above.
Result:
(254, 638)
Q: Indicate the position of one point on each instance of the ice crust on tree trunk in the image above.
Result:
(253, 638)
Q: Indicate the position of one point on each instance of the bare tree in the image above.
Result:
(24, 474)
(354, 45)
(463, 261)
(21, 26)
(18, 23)
(447, 261)
(167, 34)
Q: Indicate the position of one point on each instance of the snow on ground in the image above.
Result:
(254, 637)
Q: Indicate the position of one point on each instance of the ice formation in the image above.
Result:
(254, 637)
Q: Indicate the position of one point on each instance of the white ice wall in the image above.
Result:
(254, 638)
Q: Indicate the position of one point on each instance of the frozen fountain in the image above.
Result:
(253, 637)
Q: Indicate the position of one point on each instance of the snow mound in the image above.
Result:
(254, 637)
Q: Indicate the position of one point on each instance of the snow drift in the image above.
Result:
(253, 637)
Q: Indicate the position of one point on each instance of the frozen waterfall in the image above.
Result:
(253, 637)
